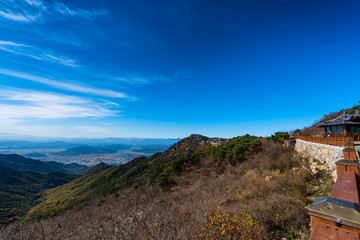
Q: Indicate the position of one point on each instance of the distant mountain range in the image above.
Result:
(35, 155)
(23, 163)
(112, 143)
(83, 150)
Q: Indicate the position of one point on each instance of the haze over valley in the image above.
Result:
(89, 152)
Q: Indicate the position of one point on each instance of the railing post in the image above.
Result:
(338, 216)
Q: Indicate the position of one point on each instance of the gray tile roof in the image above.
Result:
(344, 119)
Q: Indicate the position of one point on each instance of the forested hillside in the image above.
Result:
(23, 180)
(22, 163)
(243, 188)
(21, 189)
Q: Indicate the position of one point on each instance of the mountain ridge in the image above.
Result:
(157, 169)
(22, 163)
(179, 193)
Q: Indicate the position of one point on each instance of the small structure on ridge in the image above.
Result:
(345, 125)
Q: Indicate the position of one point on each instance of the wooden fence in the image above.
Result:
(335, 141)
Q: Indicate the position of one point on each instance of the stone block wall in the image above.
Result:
(327, 154)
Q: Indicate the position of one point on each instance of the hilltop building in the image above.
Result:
(344, 125)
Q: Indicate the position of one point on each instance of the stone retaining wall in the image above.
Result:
(327, 154)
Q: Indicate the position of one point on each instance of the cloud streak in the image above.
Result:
(28, 11)
(12, 44)
(76, 12)
(18, 17)
(18, 104)
(36, 53)
(137, 79)
(63, 85)
(61, 60)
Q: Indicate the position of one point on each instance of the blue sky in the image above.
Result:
(170, 68)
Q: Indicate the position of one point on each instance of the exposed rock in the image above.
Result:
(268, 178)
(192, 142)
(290, 143)
(215, 142)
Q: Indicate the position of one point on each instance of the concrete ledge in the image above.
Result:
(337, 211)
(347, 162)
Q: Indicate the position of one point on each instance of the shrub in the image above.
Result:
(280, 137)
(164, 180)
(235, 150)
(222, 225)
(101, 202)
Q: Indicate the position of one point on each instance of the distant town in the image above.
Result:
(87, 152)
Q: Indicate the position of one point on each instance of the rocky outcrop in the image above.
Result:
(193, 142)
(290, 143)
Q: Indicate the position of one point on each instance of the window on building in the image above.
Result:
(355, 129)
(337, 129)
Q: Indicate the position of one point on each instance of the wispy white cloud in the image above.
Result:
(65, 85)
(22, 11)
(18, 17)
(77, 12)
(109, 103)
(136, 78)
(19, 104)
(27, 11)
(62, 60)
(36, 53)
(34, 113)
(13, 44)
(36, 3)
(185, 74)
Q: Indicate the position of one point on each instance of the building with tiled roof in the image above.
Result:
(344, 125)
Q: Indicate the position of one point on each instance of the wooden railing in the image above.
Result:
(336, 141)
(338, 216)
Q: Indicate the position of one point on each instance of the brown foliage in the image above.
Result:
(262, 198)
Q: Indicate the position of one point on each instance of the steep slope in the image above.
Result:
(23, 180)
(151, 148)
(158, 169)
(101, 181)
(23, 163)
(232, 191)
(20, 190)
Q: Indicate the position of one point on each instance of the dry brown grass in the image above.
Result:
(272, 187)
